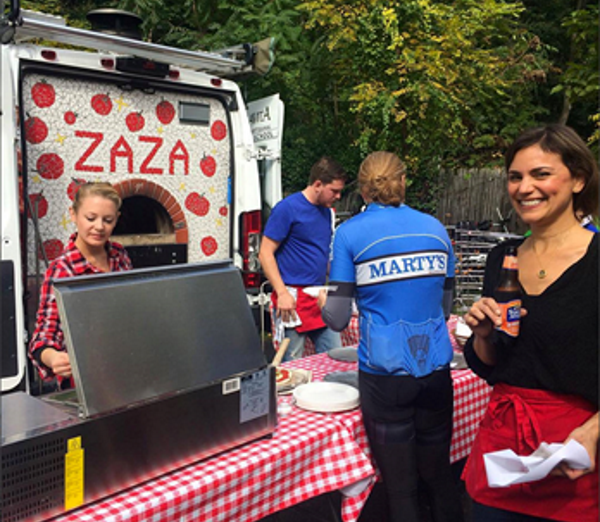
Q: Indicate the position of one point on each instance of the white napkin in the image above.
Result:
(462, 328)
(314, 291)
(505, 467)
(281, 325)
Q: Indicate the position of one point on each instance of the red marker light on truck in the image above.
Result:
(251, 227)
(49, 55)
(217, 82)
(107, 63)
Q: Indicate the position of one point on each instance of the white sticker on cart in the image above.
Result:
(231, 386)
(254, 396)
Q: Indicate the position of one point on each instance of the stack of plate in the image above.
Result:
(326, 397)
(344, 353)
(348, 377)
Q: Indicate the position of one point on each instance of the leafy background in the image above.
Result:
(444, 83)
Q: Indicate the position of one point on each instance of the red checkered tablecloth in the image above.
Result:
(471, 396)
(309, 454)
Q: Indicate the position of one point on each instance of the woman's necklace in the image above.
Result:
(542, 273)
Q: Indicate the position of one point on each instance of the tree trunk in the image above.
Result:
(566, 108)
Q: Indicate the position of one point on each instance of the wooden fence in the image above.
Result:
(465, 195)
(476, 195)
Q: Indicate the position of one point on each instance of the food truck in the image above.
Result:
(197, 168)
(166, 358)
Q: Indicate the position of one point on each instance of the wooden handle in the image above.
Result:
(281, 352)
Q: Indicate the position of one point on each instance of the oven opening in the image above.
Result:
(147, 232)
(142, 221)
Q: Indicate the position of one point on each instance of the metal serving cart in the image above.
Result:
(471, 248)
(168, 370)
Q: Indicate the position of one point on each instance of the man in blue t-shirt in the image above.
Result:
(294, 254)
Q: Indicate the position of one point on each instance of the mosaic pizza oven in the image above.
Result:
(167, 153)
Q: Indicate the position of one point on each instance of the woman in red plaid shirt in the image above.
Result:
(95, 212)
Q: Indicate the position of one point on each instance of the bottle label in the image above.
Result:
(511, 317)
(510, 263)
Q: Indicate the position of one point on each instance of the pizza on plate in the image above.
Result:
(282, 376)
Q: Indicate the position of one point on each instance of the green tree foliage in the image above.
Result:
(580, 82)
(72, 10)
(570, 27)
(438, 82)
(442, 83)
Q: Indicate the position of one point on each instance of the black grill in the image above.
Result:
(32, 479)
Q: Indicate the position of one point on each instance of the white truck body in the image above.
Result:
(178, 146)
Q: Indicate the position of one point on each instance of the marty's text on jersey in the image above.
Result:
(401, 266)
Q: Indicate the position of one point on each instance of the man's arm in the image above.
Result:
(286, 304)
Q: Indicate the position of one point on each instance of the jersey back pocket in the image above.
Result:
(402, 347)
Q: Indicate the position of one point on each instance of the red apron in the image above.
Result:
(307, 309)
(520, 419)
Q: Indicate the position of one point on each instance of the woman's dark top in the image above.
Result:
(557, 346)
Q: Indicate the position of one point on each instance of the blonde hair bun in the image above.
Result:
(381, 178)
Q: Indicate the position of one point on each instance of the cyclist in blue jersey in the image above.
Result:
(398, 264)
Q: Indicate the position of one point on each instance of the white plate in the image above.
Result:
(326, 397)
(313, 291)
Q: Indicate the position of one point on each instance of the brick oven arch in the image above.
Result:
(142, 187)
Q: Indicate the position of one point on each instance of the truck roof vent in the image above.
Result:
(116, 22)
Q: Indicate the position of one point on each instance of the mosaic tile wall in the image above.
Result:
(78, 130)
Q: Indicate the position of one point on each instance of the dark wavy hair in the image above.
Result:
(577, 157)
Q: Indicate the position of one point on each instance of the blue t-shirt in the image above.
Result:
(398, 258)
(304, 232)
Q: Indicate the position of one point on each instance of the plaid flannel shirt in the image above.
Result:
(48, 332)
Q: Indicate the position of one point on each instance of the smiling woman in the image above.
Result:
(95, 212)
(551, 370)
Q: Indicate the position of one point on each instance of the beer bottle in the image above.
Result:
(508, 294)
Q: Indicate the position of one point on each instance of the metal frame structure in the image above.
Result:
(471, 248)
(24, 25)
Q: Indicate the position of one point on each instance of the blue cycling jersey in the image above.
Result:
(398, 258)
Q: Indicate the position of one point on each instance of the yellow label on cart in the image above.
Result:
(74, 470)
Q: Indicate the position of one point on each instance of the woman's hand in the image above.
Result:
(483, 316)
(587, 435)
(57, 361)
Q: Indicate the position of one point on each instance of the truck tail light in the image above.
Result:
(49, 55)
(251, 228)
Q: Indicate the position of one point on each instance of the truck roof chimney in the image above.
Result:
(116, 22)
